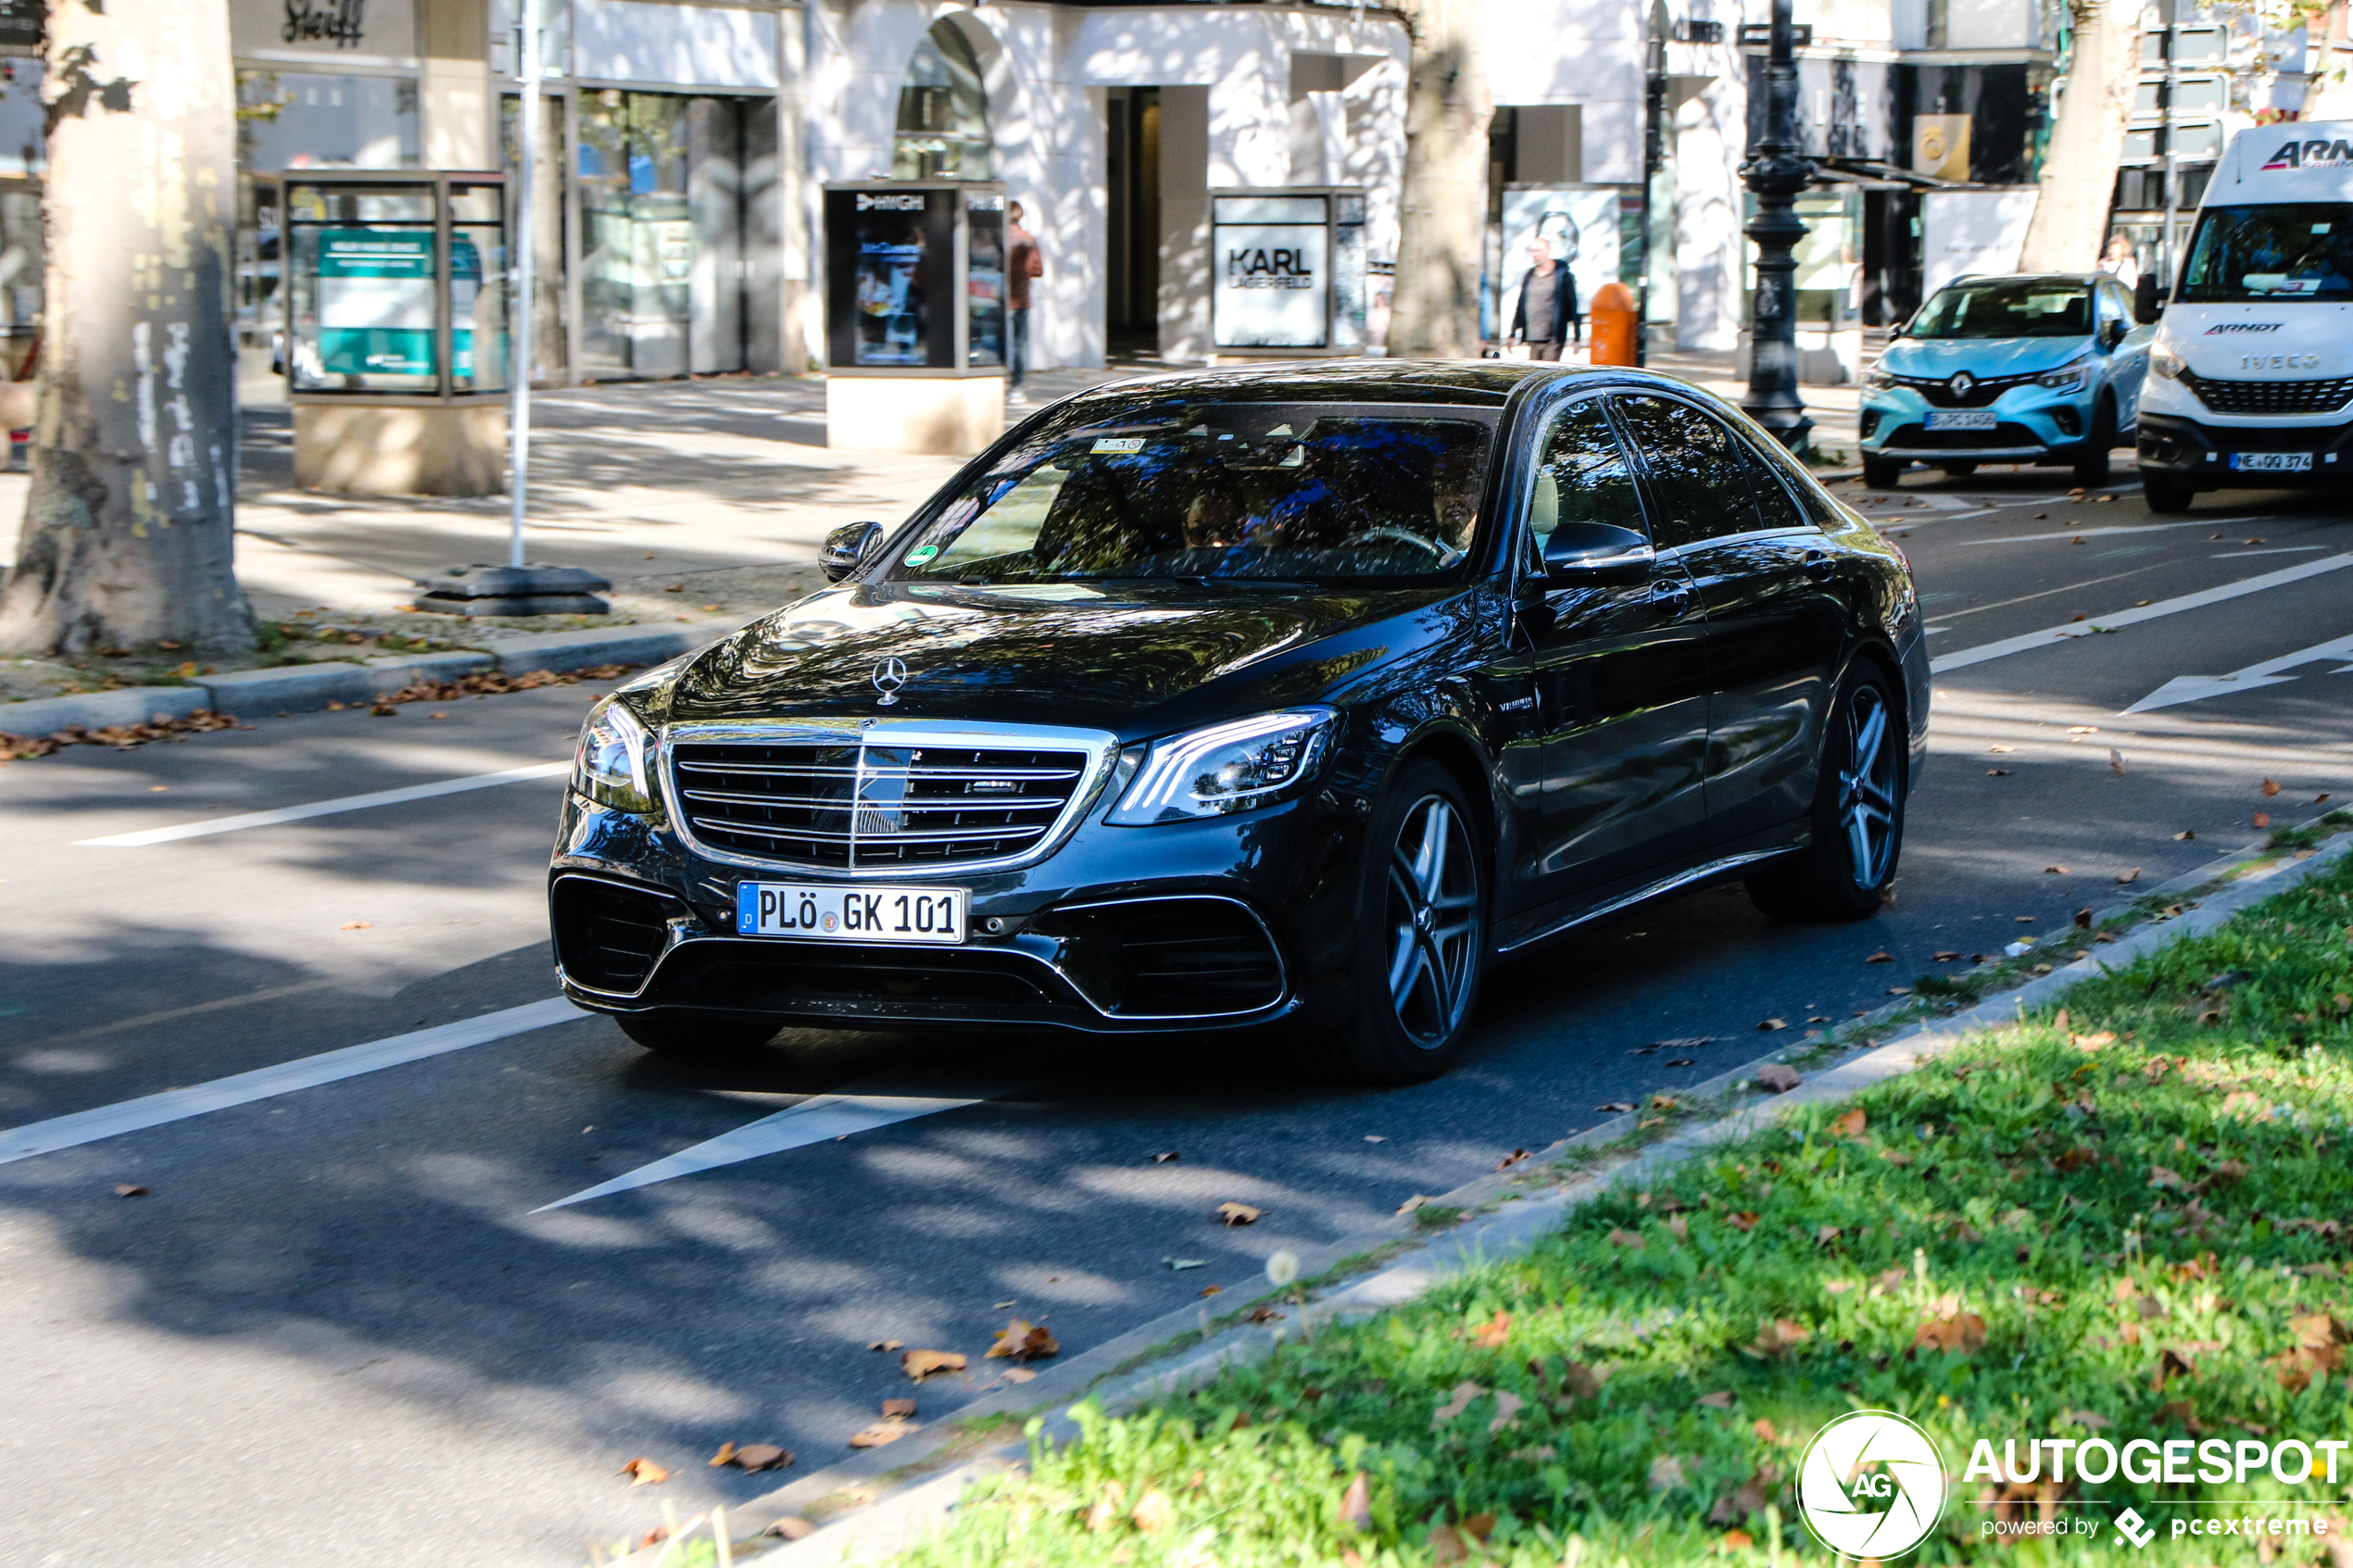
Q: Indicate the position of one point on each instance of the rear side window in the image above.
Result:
(1581, 474)
(1775, 508)
(1697, 471)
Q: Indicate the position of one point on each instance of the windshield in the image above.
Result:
(2008, 307)
(1230, 491)
(2296, 250)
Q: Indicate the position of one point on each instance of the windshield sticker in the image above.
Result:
(921, 554)
(1119, 444)
(2315, 154)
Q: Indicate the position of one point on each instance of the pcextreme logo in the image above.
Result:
(1870, 1485)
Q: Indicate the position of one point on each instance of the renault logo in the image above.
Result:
(889, 675)
(1961, 383)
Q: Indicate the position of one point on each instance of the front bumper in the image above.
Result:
(1221, 924)
(2033, 425)
(2198, 453)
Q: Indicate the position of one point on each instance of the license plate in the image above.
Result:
(1962, 419)
(2271, 462)
(833, 913)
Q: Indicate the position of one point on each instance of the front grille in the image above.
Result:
(745, 975)
(2272, 396)
(2003, 436)
(853, 806)
(1939, 393)
(606, 935)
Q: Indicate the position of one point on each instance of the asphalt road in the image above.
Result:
(336, 1322)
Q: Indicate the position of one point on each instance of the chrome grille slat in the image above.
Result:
(875, 804)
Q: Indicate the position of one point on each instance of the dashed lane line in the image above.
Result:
(324, 807)
(286, 1077)
(1960, 659)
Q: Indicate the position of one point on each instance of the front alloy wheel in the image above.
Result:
(1432, 922)
(1858, 814)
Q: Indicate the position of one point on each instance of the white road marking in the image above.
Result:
(815, 1120)
(2122, 528)
(264, 1083)
(2191, 688)
(326, 808)
(1962, 657)
(2275, 550)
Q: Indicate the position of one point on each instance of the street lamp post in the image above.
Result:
(1777, 171)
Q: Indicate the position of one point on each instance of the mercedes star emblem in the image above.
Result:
(1960, 383)
(889, 675)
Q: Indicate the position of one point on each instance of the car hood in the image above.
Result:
(1984, 358)
(1135, 661)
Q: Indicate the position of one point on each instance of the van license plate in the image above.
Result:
(824, 913)
(1962, 419)
(2271, 462)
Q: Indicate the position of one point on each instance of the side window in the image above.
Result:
(1774, 505)
(1695, 472)
(1581, 475)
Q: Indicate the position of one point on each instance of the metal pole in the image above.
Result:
(520, 217)
(1776, 172)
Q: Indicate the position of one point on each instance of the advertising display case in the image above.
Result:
(915, 314)
(396, 342)
(1290, 277)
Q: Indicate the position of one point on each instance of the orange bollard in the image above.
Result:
(1613, 324)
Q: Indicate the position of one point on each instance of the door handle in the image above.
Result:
(1819, 566)
(1676, 595)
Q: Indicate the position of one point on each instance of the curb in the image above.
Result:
(920, 1498)
(307, 688)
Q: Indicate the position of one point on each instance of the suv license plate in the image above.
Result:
(1962, 419)
(833, 913)
(2271, 462)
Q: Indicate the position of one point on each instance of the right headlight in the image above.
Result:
(2165, 362)
(1236, 766)
(1877, 380)
(614, 762)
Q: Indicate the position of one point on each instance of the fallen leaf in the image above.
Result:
(2184, 835)
(899, 1410)
(1237, 1214)
(643, 1471)
(1767, 1026)
(2262, 818)
(1180, 1264)
(1615, 1106)
(1627, 1239)
(1779, 1336)
(1375, 1137)
(1881, 957)
(2162, 1177)
(1023, 1341)
(1356, 1505)
(886, 1344)
(1478, 1526)
(760, 1456)
(1944, 958)
(1723, 1399)
(130, 1189)
(1491, 1334)
(880, 1433)
(2123, 878)
(1778, 1077)
(1964, 1332)
(1164, 1158)
(1997, 773)
(1681, 1061)
(2319, 800)
(1507, 1408)
(920, 1364)
(1827, 1235)
(2116, 761)
(2270, 788)
(1446, 1547)
(1667, 1472)
(1514, 1158)
(1212, 1289)
(1153, 1512)
(1456, 1403)
(2091, 1420)
(1419, 1199)
(1738, 1540)
(1752, 1498)
(1016, 1374)
(2055, 870)
(1745, 1221)
(1264, 1314)
(2001, 750)
(1850, 1126)
(792, 1527)
(725, 1455)
(356, 924)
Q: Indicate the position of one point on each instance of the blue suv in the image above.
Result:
(2043, 368)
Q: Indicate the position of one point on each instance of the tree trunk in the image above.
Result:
(2079, 172)
(1442, 208)
(127, 529)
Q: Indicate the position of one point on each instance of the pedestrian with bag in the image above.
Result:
(1546, 315)
(1022, 263)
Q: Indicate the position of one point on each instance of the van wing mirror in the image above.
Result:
(848, 546)
(1596, 553)
(2147, 306)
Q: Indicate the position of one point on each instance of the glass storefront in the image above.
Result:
(943, 112)
(23, 252)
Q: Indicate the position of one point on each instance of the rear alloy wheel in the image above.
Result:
(2091, 459)
(2164, 496)
(1858, 814)
(683, 1033)
(1421, 938)
(1882, 473)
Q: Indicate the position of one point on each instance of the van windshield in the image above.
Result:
(2294, 250)
(2008, 307)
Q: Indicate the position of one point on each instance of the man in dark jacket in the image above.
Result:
(1546, 315)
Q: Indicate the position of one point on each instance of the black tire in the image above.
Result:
(1882, 473)
(682, 1033)
(2091, 459)
(1421, 938)
(1844, 873)
(1958, 470)
(2165, 495)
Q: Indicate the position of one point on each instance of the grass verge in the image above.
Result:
(2129, 1217)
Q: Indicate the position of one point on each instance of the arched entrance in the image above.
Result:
(943, 111)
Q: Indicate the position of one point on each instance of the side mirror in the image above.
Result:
(1597, 553)
(2147, 306)
(2111, 334)
(845, 547)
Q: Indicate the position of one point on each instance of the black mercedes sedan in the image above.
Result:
(1282, 698)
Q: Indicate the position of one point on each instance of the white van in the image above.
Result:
(2251, 373)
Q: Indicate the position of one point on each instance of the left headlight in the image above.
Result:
(614, 762)
(1238, 766)
(2067, 378)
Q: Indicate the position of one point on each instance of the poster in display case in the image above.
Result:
(915, 277)
(395, 285)
(1291, 274)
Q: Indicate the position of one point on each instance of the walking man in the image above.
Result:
(1546, 316)
(1022, 263)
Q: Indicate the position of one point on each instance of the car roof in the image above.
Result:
(2024, 278)
(1477, 382)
